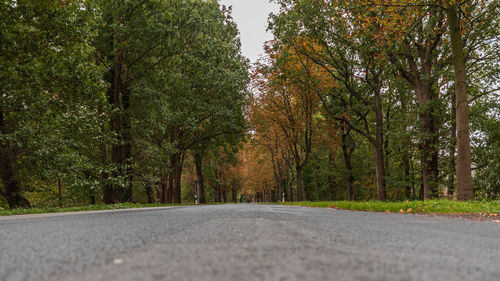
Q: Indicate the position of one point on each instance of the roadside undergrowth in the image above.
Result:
(81, 208)
(491, 208)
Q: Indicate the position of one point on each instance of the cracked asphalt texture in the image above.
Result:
(247, 242)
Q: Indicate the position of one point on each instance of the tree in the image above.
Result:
(45, 44)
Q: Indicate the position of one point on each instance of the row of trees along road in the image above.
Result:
(152, 101)
(379, 99)
(105, 101)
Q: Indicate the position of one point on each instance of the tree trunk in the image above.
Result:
(218, 196)
(421, 192)
(126, 192)
(429, 154)
(176, 192)
(464, 177)
(406, 167)
(452, 147)
(350, 176)
(300, 188)
(289, 191)
(59, 193)
(199, 174)
(379, 147)
(8, 174)
(10, 181)
(420, 61)
(331, 179)
(224, 194)
(347, 152)
(234, 192)
(281, 191)
(111, 190)
(119, 98)
(170, 187)
(149, 192)
(163, 186)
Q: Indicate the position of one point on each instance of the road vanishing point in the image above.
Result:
(247, 242)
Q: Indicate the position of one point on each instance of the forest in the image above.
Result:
(152, 101)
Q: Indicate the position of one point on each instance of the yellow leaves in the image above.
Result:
(408, 211)
(386, 20)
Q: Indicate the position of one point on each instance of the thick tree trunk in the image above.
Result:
(198, 160)
(176, 192)
(379, 147)
(11, 183)
(8, 174)
(430, 155)
(464, 177)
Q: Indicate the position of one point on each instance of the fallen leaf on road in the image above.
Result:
(117, 261)
(497, 221)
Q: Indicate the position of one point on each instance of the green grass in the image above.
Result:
(431, 206)
(81, 209)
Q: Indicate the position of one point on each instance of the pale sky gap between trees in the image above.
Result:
(251, 17)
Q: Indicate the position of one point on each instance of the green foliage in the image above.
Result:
(51, 92)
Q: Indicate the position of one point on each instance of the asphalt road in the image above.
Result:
(247, 242)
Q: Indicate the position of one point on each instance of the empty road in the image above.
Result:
(247, 242)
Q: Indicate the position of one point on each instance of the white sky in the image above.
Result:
(251, 17)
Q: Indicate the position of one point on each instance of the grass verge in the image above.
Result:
(410, 207)
(82, 208)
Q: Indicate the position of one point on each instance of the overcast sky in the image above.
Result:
(251, 17)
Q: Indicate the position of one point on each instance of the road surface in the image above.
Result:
(247, 242)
